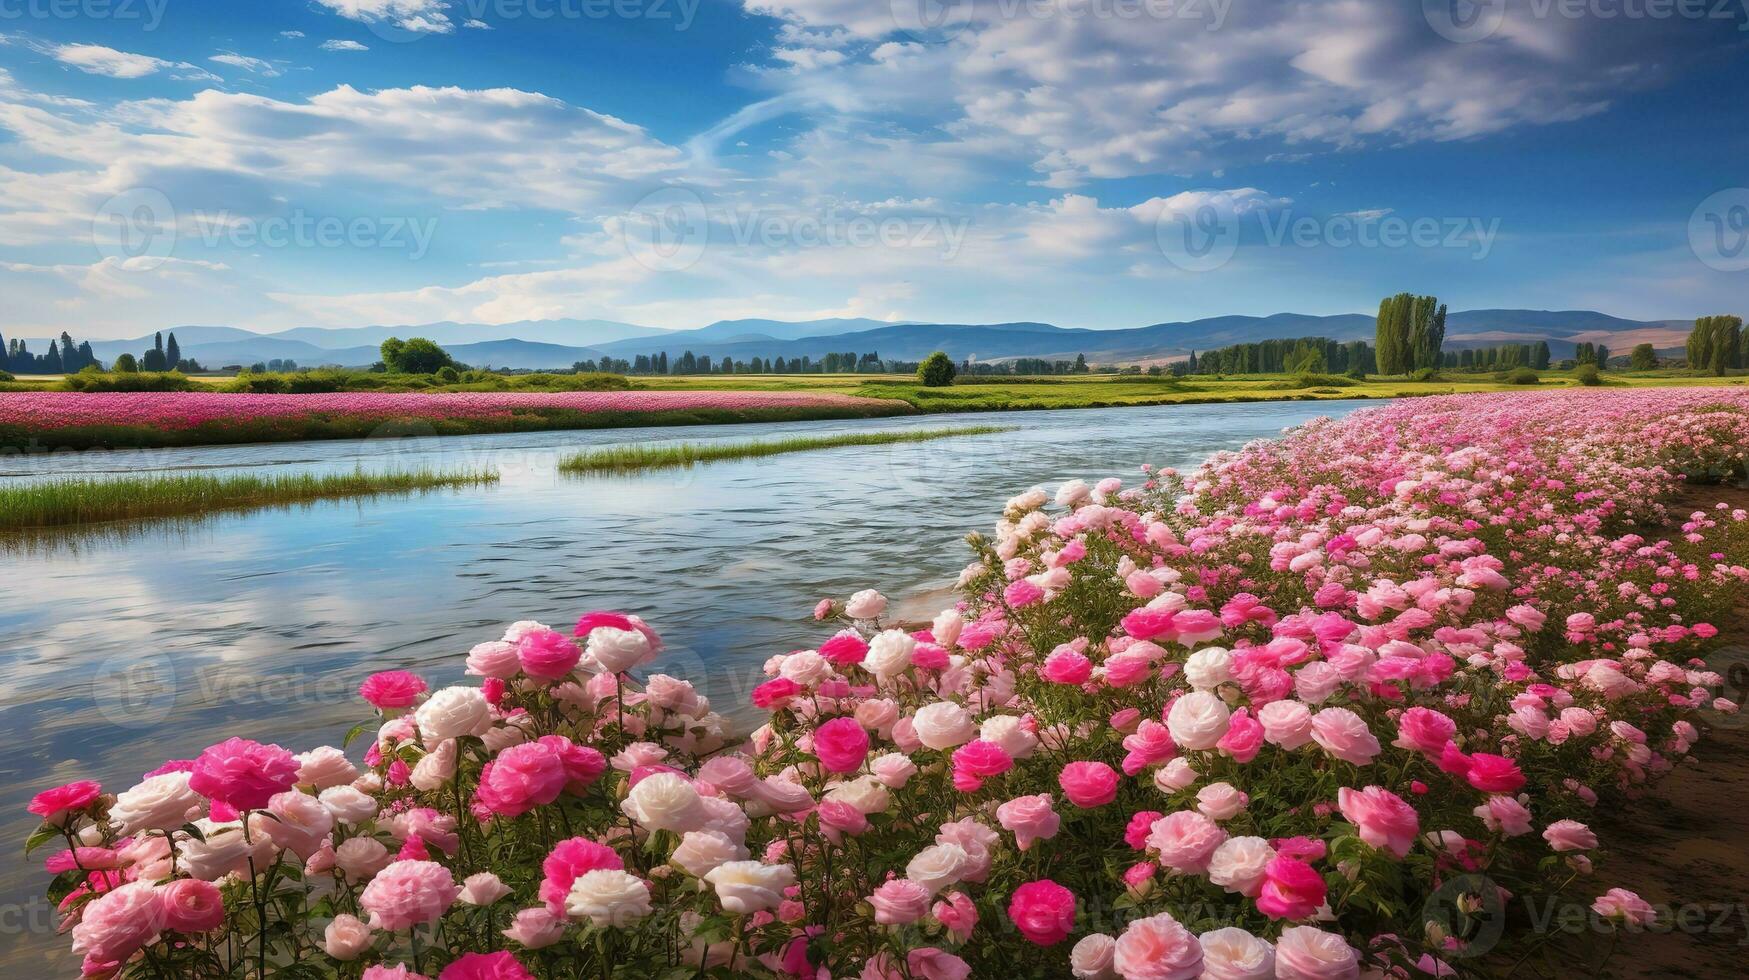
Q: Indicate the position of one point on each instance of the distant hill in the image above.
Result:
(548, 344)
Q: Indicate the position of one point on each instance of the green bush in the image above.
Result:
(936, 371)
(1588, 375)
(1522, 376)
(6, 375)
(126, 364)
(88, 380)
(448, 374)
(1424, 374)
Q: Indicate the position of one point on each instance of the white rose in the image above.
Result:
(937, 866)
(947, 627)
(1174, 776)
(1092, 957)
(665, 801)
(1198, 720)
(615, 650)
(1286, 723)
(750, 886)
(1234, 954)
(942, 725)
(866, 793)
(1237, 865)
(889, 653)
(162, 802)
(1072, 493)
(1007, 732)
(223, 852)
(323, 767)
(452, 713)
(608, 898)
(866, 604)
(348, 805)
(701, 851)
(1209, 668)
(806, 668)
(1313, 952)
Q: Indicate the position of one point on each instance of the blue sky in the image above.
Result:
(1094, 163)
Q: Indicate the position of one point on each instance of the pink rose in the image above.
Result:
(346, 938)
(1494, 773)
(957, 915)
(977, 761)
(1067, 666)
(117, 924)
(1157, 948)
(929, 963)
(846, 648)
(1622, 905)
(407, 894)
(1504, 815)
(189, 905)
(243, 775)
(1044, 911)
(1088, 784)
(485, 966)
(1569, 835)
(521, 778)
(900, 901)
(547, 655)
(537, 928)
(1185, 840)
(1344, 735)
(55, 805)
(1385, 821)
(841, 745)
(392, 689)
(1292, 889)
(1424, 730)
(1029, 818)
(1244, 737)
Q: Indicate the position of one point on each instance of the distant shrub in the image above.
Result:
(1424, 374)
(126, 364)
(251, 383)
(1356, 374)
(6, 375)
(1588, 375)
(448, 374)
(89, 381)
(1522, 376)
(936, 371)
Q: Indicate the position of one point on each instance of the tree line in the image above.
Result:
(1302, 355)
(1716, 344)
(1410, 333)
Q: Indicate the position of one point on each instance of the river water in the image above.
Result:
(129, 646)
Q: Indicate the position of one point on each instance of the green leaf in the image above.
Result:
(42, 836)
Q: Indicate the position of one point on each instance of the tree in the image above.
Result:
(936, 371)
(1716, 344)
(52, 361)
(125, 364)
(414, 356)
(1539, 357)
(172, 353)
(1643, 358)
(1081, 364)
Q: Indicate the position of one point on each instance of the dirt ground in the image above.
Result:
(1687, 847)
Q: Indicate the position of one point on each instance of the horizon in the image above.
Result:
(355, 163)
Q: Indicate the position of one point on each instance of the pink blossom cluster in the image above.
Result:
(1299, 714)
(50, 410)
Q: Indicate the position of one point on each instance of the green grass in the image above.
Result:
(622, 459)
(73, 501)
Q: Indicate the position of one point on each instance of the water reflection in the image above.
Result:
(137, 645)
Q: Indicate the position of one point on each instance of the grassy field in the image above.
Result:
(1103, 391)
(622, 459)
(72, 501)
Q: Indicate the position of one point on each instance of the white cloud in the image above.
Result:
(416, 16)
(258, 66)
(95, 59)
(342, 46)
(478, 25)
(291, 34)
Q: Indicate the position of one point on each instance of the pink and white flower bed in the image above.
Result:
(1308, 712)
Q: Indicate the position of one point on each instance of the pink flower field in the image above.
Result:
(1344, 703)
(115, 419)
(188, 410)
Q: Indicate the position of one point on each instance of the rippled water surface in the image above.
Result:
(127, 646)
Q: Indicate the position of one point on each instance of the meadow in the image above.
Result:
(1344, 702)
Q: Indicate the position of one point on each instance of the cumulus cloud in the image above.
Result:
(96, 59)
(417, 16)
(337, 45)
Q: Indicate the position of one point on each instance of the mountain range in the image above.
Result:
(553, 344)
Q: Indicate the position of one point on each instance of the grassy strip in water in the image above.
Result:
(620, 459)
(72, 501)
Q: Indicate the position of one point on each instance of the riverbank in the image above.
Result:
(37, 421)
(629, 459)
